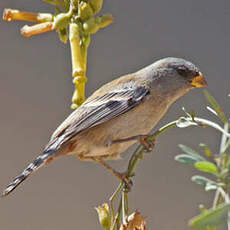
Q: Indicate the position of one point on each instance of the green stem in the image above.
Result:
(125, 208)
(119, 214)
(79, 59)
(112, 198)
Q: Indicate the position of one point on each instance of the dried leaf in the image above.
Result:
(134, 222)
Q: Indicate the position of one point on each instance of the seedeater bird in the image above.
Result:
(118, 114)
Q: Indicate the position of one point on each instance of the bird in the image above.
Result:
(117, 115)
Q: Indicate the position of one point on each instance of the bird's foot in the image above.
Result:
(143, 140)
(125, 178)
(146, 143)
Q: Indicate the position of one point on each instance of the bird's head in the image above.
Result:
(180, 70)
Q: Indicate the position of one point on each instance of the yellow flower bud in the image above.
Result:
(85, 11)
(104, 217)
(96, 5)
(63, 35)
(90, 26)
(104, 20)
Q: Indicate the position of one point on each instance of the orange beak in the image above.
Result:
(199, 81)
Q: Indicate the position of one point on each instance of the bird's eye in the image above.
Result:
(197, 73)
(182, 71)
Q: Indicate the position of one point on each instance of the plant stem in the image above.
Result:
(125, 206)
(201, 121)
(217, 199)
(119, 214)
(224, 139)
(79, 59)
(112, 198)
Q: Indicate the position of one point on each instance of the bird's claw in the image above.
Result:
(128, 183)
(147, 144)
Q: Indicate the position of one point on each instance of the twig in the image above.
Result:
(112, 198)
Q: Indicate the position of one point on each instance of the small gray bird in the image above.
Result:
(118, 114)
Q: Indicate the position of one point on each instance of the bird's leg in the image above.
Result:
(122, 176)
(143, 139)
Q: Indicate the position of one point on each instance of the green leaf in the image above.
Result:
(201, 180)
(211, 186)
(205, 149)
(186, 159)
(206, 166)
(213, 103)
(192, 152)
(211, 217)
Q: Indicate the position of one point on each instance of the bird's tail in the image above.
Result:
(41, 160)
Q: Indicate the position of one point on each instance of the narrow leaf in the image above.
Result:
(186, 159)
(211, 217)
(192, 152)
(211, 186)
(213, 103)
(201, 180)
(212, 110)
(206, 166)
(190, 113)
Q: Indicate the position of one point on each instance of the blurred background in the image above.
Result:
(35, 97)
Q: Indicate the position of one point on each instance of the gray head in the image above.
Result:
(172, 77)
(180, 70)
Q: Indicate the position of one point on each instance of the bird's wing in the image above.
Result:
(99, 109)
